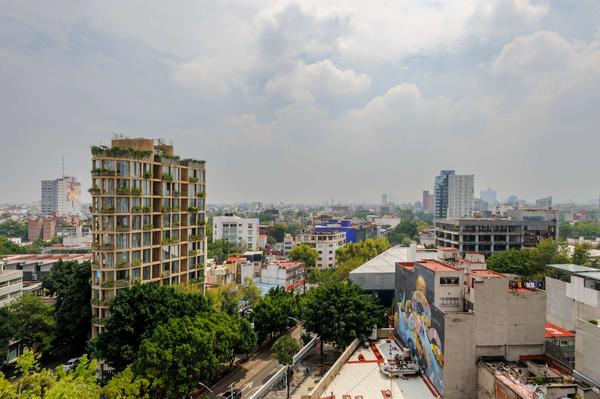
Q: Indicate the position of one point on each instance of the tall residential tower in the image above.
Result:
(453, 195)
(61, 197)
(148, 210)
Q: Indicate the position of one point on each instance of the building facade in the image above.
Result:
(325, 243)
(41, 229)
(237, 231)
(460, 196)
(148, 219)
(440, 194)
(61, 197)
(488, 235)
(427, 202)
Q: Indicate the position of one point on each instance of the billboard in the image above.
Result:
(419, 324)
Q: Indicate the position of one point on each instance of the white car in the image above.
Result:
(71, 364)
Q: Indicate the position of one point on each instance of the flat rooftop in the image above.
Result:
(360, 378)
(487, 273)
(571, 268)
(385, 262)
(438, 266)
(595, 275)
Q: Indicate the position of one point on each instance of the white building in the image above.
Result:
(460, 195)
(237, 231)
(326, 244)
(11, 285)
(288, 243)
(61, 197)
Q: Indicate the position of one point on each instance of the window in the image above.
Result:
(449, 280)
(449, 301)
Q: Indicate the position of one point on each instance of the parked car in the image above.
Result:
(71, 364)
(232, 394)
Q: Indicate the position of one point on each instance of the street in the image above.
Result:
(253, 373)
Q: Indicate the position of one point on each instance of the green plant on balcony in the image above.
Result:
(117, 152)
(195, 237)
(175, 194)
(107, 209)
(108, 283)
(136, 262)
(121, 283)
(193, 180)
(166, 209)
(136, 191)
(167, 177)
(193, 252)
(176, 224)
(123, 227)
(201, 194)
(122, 263)
(147, 175)
(166, 273)
(192, 209)
(147, 209)
(122, 190)
(148, 226)
(94, 190)
(201, 223)
(96, 301)
(136, 209)
(104, 172)
(168, 241)
(176, 209)
(102, 247)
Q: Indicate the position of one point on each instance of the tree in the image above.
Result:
(584, 228)
(11, 228)
(528, 262)
(513, 261)
(546, 252)
(340, 312)
(279, 230)
(137, 311)
(407, 228)
(250, 294)
(70, 283)
(8, 329)
(284, 350)
(179, 354)
(33, 321)
(225, 298)
(247, 338)
(304, 253)
(581, 254)
(363, 250)
(272, 314)
(127, 385)
(219, 250)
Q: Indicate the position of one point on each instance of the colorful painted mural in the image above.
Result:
(419, 325)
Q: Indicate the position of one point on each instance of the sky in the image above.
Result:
(308, 101)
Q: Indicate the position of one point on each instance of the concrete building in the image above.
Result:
(451, 319)
(41, 229)
(11, 285)
(427, 202)
(355, 232)
(488, 235)
(544, 203)
(61, 197)
(237, 231)
(440, 194)
(148, 219)
(288, 244)
(460, 196)
(560, 343)
(34, 267)
(573, 304)
(325, 243)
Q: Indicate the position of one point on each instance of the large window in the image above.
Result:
(449, 280)
(122, 168)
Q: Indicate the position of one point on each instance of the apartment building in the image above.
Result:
(450, 319)
(488, 235)
(573, 304)
(41, 229)
(453, 195)
(61, 197)
(11, 285)
(277, 273)
(34, 267)
(148, 219)
(325, 243)
(237, 231)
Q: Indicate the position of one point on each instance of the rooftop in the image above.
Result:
(571, 268)
(595, 275)
(45, 257)
(385, 262)
(437, 266)
(487, 273)
(554, 331)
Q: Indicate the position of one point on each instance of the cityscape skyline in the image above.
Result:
(284, 92)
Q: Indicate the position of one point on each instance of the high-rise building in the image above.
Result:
(41, 229)
(427, 202)
(149, 215)
(460, 196)
(237, 231)
(490, 196)
(384, 199)
(440, 193)
(325, 243)
(544, 203)
(61, 197)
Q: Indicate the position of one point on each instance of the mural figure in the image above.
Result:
(414, 328)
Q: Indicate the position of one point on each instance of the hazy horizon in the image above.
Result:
(308, 101)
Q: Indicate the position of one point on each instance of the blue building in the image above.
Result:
(354, 232)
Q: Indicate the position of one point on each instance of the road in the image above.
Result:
(253, 373)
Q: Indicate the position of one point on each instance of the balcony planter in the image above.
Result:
(169, 241)
(201, 195)
(176, 224)
(192, 209)
(94, 190)
(193, 252)
(121, 283)
(123, 191)
(136, 262)
(148, 226)
(136, 191)
(123, 227)
(99, 151)
(175, 194)
(122, 263)
(136, 209)
(107, 209)
(108, 283)
(201, 223)
(147, 209)
(167, 177)
(195, 237)
(103, 247)
(193, 180)
(166, 274)
(176, 209)
(166, 209)
(104, 172)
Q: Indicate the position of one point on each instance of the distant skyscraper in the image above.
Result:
(460, 196)
(440, 193)
(427, 202)
(544, 203)
(489, 196)
(61, 197)
(384, 199)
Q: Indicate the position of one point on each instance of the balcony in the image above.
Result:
(123, 190)
(103, 247)
(94, 190)
(107, 209)
(104, 172)
(167, 177)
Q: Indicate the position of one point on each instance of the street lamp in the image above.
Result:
(212, 394)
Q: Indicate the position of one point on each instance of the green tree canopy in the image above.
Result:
(70, 283)
(33, 322)
(279, 230)
(363, 250)
(219, 250)
(272, 314)
(339, 312)
(284, 349)
(127, 385)
(528, 262)
(137, 311)
(304, 253)
(11, 228)
(584, 228)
